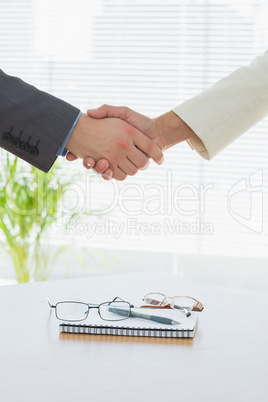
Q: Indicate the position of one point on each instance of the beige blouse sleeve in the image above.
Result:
(228, 108)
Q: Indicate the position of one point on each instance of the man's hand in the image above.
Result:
(166, 130)
(125, 148)
(147, 126)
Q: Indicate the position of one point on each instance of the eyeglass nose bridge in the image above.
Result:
(168, 300)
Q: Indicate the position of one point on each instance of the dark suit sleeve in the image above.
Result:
(33, 124)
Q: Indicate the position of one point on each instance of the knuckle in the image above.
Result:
(105, 109)
(143, 163)
(125, 110)
(133, 171)
(149, 148)
(115, 158)
(129, 130)
(122, 144)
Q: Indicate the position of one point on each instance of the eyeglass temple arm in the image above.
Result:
(198, 307)
(119, 298)
(50, 304)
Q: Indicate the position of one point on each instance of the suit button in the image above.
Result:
(15, 142)
(24, 147)
(6, 137)
(33, 151)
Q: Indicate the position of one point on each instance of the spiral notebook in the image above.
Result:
(137, 327)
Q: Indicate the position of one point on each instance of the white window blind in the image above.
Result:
(151, 55)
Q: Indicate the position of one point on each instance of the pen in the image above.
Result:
(162, 320)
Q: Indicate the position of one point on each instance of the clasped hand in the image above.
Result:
(117, 141)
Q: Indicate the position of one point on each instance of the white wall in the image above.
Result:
(239, 275)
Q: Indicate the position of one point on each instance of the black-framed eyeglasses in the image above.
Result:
(115, 310)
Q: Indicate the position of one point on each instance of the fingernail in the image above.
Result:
(89, 165)
(106, 176)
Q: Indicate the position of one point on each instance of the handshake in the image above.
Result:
(117, 141)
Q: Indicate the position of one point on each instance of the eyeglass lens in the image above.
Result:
(78, 311)
(72, 311)
(114, 311)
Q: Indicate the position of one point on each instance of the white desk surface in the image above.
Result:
(226, 361)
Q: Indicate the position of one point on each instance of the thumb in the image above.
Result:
(108, 111)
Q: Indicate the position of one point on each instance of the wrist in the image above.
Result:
(172, 129)
(74, 143)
